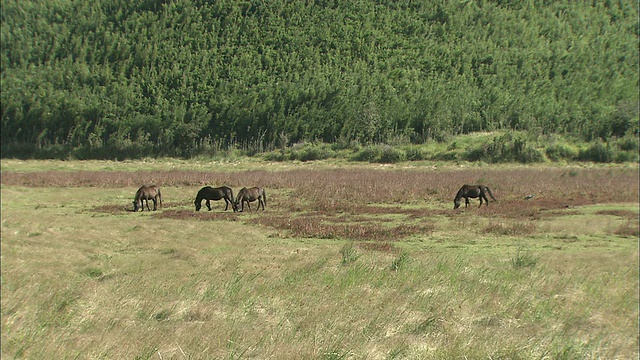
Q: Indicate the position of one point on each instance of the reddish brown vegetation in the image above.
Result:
(377, 246)
(326, 227)
(364, 203)
(340, 189)
(196, 215)
(511, 229)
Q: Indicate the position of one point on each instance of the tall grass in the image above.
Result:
(84, 277)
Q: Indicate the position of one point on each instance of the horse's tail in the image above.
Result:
(160, 196)
(264, 197)
(490, 193)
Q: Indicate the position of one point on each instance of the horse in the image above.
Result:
(146, 193)
(210, 193)
(250, 195)
(472, 191)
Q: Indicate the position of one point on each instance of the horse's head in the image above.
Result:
(135, 206)
(456, 204)
(198, 204)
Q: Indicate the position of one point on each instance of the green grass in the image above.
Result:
(83, 277)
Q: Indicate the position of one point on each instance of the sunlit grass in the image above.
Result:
(83, 276)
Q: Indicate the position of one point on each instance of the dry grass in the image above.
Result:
(631, 228)
(344, 263)
(338, 190)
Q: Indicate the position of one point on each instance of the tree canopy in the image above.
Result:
(165, 77)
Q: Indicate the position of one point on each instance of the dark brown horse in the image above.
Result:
(472, 191)
(146, 193)
(250, 195)
(210, 193)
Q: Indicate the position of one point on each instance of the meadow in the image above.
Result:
(346, 262)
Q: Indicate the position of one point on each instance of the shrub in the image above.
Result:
(380, 154)
(445, 156)
(506, 148)
(628, 143)
(415, 153)
(530, 155)
(368, 153)
(559, 152)
(276, 155)
(626, 156)
(390, 155)
(597, 152)
(313, 152)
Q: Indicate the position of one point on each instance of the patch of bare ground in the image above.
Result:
(182, 214)
(119, 208)
(111, 209)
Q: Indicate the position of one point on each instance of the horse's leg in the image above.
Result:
(260, 202)
(226, 204)
(480, 197)
(486, 201)
(466, 201)
(208, 203)
(155, 204)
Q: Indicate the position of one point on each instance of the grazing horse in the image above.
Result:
(211, 193)
(472, 191)
(146, 193)
(250, 195)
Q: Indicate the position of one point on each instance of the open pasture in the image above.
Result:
(345, 262)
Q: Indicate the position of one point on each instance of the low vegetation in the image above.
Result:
(346, 262)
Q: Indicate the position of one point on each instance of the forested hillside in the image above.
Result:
(167, 78)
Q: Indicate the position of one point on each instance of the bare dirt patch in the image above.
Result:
(197, 215)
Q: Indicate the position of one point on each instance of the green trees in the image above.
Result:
(112, 78)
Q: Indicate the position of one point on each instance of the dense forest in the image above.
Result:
(170, 78)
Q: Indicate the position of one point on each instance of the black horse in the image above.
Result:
(250, 195)
(146, 193)
(472, 191)
(210, 193)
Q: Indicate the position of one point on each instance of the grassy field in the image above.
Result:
(347, 262)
